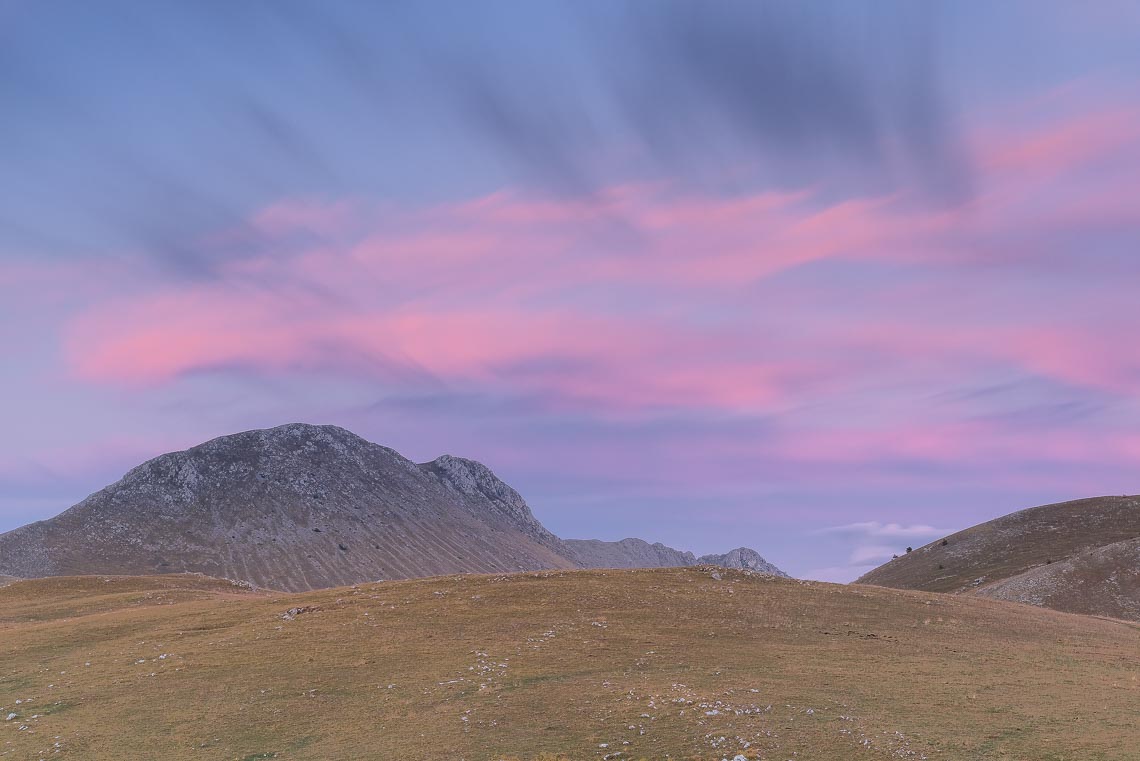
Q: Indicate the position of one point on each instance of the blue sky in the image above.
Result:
(824, 279)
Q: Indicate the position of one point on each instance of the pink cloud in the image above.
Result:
(647, 292)
(182, 332)
(76, 459)
(1059, 146)
(976, 443)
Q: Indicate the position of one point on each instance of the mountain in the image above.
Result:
(295, 507)
(1080, 556)
(638, 553)
(743, 558)
(627, 553)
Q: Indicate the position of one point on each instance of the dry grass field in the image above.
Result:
(684, 663)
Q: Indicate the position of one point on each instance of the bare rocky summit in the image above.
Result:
(1081, 556)
(743, 558)
(294, 508)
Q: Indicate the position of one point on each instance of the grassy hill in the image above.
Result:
(1103, 581)
(1012, 545)
(680, 663)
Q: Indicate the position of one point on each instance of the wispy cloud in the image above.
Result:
(771, 260)
(872, 555)
(697, 303)
(893, 530)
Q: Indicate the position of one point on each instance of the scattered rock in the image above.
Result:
(292, 613)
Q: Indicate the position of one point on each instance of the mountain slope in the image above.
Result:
(1057, 555)
(680, 663)
(1104, 581)
(294, 507)
(302, 507)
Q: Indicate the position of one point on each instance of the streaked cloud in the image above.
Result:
(752, 270)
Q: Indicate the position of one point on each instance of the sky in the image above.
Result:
(824, 279)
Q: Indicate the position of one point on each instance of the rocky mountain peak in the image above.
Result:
(744, 558)
(291, 437)
(474, 479)
(293, 458)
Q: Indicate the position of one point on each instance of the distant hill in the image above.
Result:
(742, 558)
(638, 553)
(295, 507)
(1079, 556)
(627, 553)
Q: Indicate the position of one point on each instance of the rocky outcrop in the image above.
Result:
(744, 559)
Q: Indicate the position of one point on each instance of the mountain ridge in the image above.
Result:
(294, 507)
